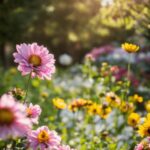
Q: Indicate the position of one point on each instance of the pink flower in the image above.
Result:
(13, 121)
(99, 51)
(33, 112)
(43, 138)
(64, 147)
(139, 147)
(34, 59)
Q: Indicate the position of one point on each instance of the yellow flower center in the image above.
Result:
(6, 116)
(29, 112)
(35, 60)
(43, 137)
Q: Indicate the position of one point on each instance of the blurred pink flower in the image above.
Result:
(34, 59)
(119, 73)
(43, 139)
(64, 147)
(98, 51)
(33, 112)
(139, 147)
(13, 121)
(89, 57)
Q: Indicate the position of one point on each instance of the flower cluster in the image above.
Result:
(17, 119)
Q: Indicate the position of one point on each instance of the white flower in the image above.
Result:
(65, 59)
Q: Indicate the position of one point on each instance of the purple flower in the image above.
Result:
(34, 59)
(13, 121)
(43, 138)
(33, 112)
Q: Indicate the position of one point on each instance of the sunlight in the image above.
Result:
(106, 2)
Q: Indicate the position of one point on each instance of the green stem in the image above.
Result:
(27, 88)
(129, 68)
(128, 76)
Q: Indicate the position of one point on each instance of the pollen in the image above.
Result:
(43, 136)
(35, 60)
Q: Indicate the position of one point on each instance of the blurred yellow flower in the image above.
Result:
(44, 94)
(94, 109)
(59, 103)
(147, 106)
(105, 111)
(113, 99)
(126, 107)
(137, 98)
(130, 48)
(79, 103)
(133, 119)
(144, 129)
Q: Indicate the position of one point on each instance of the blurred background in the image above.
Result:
(72, 27)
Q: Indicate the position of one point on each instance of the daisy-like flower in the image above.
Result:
(144, 129)
(13, 121)
(43, 139)
(136, 98)
(105, 111)
(133, 119)
(130, 48)
(34, 59)
(126, 107)
(33, 112)
(94, 109)
(113, 99)
(59, 103)
(78, 104)
(64, 147)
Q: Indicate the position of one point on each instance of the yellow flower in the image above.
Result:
(136, 98)
(104, 111)
(147, 106)
(94, 109)
(144, 129)
(59, 103)
(79, 103)
(133, 119)
(126, 107)
(113, 99)
(130, 48)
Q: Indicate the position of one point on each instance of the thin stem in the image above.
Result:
(128, 76)
(129, 67)
(27, 87)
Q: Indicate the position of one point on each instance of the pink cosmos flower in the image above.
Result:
(34, 59)
(139, 147)
(13, 121)
(44, 139)
(33, 112)
(64, 147)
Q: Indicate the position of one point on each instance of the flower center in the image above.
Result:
(6, 116)
(148, 131)
(35, 60)
(113, 98)
(29, 112)
(43, 137)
